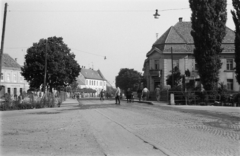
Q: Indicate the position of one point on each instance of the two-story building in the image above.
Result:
(176, 47)
(94, 79)
(11, 77)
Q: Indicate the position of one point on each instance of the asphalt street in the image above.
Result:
(94, 127)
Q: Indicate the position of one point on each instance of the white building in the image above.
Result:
(11, 77)
(89, 78)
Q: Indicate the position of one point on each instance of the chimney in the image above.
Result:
(180, 19)
(16, 59)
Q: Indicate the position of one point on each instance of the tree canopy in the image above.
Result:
(62, 68)
(128, 78)
(208, 30)
(236, 19)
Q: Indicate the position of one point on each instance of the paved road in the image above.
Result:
(96, 127)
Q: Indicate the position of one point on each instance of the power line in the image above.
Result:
(99, 11)
(87, 52)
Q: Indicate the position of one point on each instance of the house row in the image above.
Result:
(14, 83)
(175, 47)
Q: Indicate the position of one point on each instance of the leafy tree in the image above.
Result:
(208, 30)
(62, 68)
(236, 19)
(177, 78)
(110, 91)
(128, 78)
(74, 86)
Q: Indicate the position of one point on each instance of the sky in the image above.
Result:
(121, 30)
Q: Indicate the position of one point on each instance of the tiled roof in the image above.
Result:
(100, 73)
(9, 62)
(81, 80)
(180, 39)
(91, 74)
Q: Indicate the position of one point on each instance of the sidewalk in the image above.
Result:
(223, 109)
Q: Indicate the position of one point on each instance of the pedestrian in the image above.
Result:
(157, 93)
(102, 95)
(117, 95)
(128, 95)
(145, 93)
(139, 93)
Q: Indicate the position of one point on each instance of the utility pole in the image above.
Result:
(2, 43)
(172, 68)
(45, 71)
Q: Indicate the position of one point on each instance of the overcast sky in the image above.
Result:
(121, 30)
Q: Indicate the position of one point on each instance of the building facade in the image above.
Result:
(11, 77)
(176, 47)
(89, 78)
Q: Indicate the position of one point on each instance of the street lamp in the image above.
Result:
(156, 15)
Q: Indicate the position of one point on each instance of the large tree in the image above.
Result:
(128, 78)
(62, 68)
(236, 19)
(208, 30)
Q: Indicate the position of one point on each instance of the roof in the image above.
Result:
(180, 39)
(80, 80)
(9, 62)
(100, 73)
(91, 74)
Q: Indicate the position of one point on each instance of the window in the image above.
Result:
(86, 82)
(1, 76)
(156, 64)
(8, 77)
(14, 77)
(229, 64)
(230, 84)
(175, 63)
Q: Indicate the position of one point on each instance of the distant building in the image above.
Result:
(89, 78)
(11, 77)
(158, 64)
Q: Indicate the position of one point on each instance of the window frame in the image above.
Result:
(229, 84)
(229, 64)
(156, 64)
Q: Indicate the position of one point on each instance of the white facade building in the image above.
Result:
(89, 78)
(11, 77)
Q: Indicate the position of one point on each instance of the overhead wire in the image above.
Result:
(171, 9)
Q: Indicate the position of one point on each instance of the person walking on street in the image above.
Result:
(145, 93)
(102, 95)
(128, 95)
(139, 93)
(117, 95)
(157, 92)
